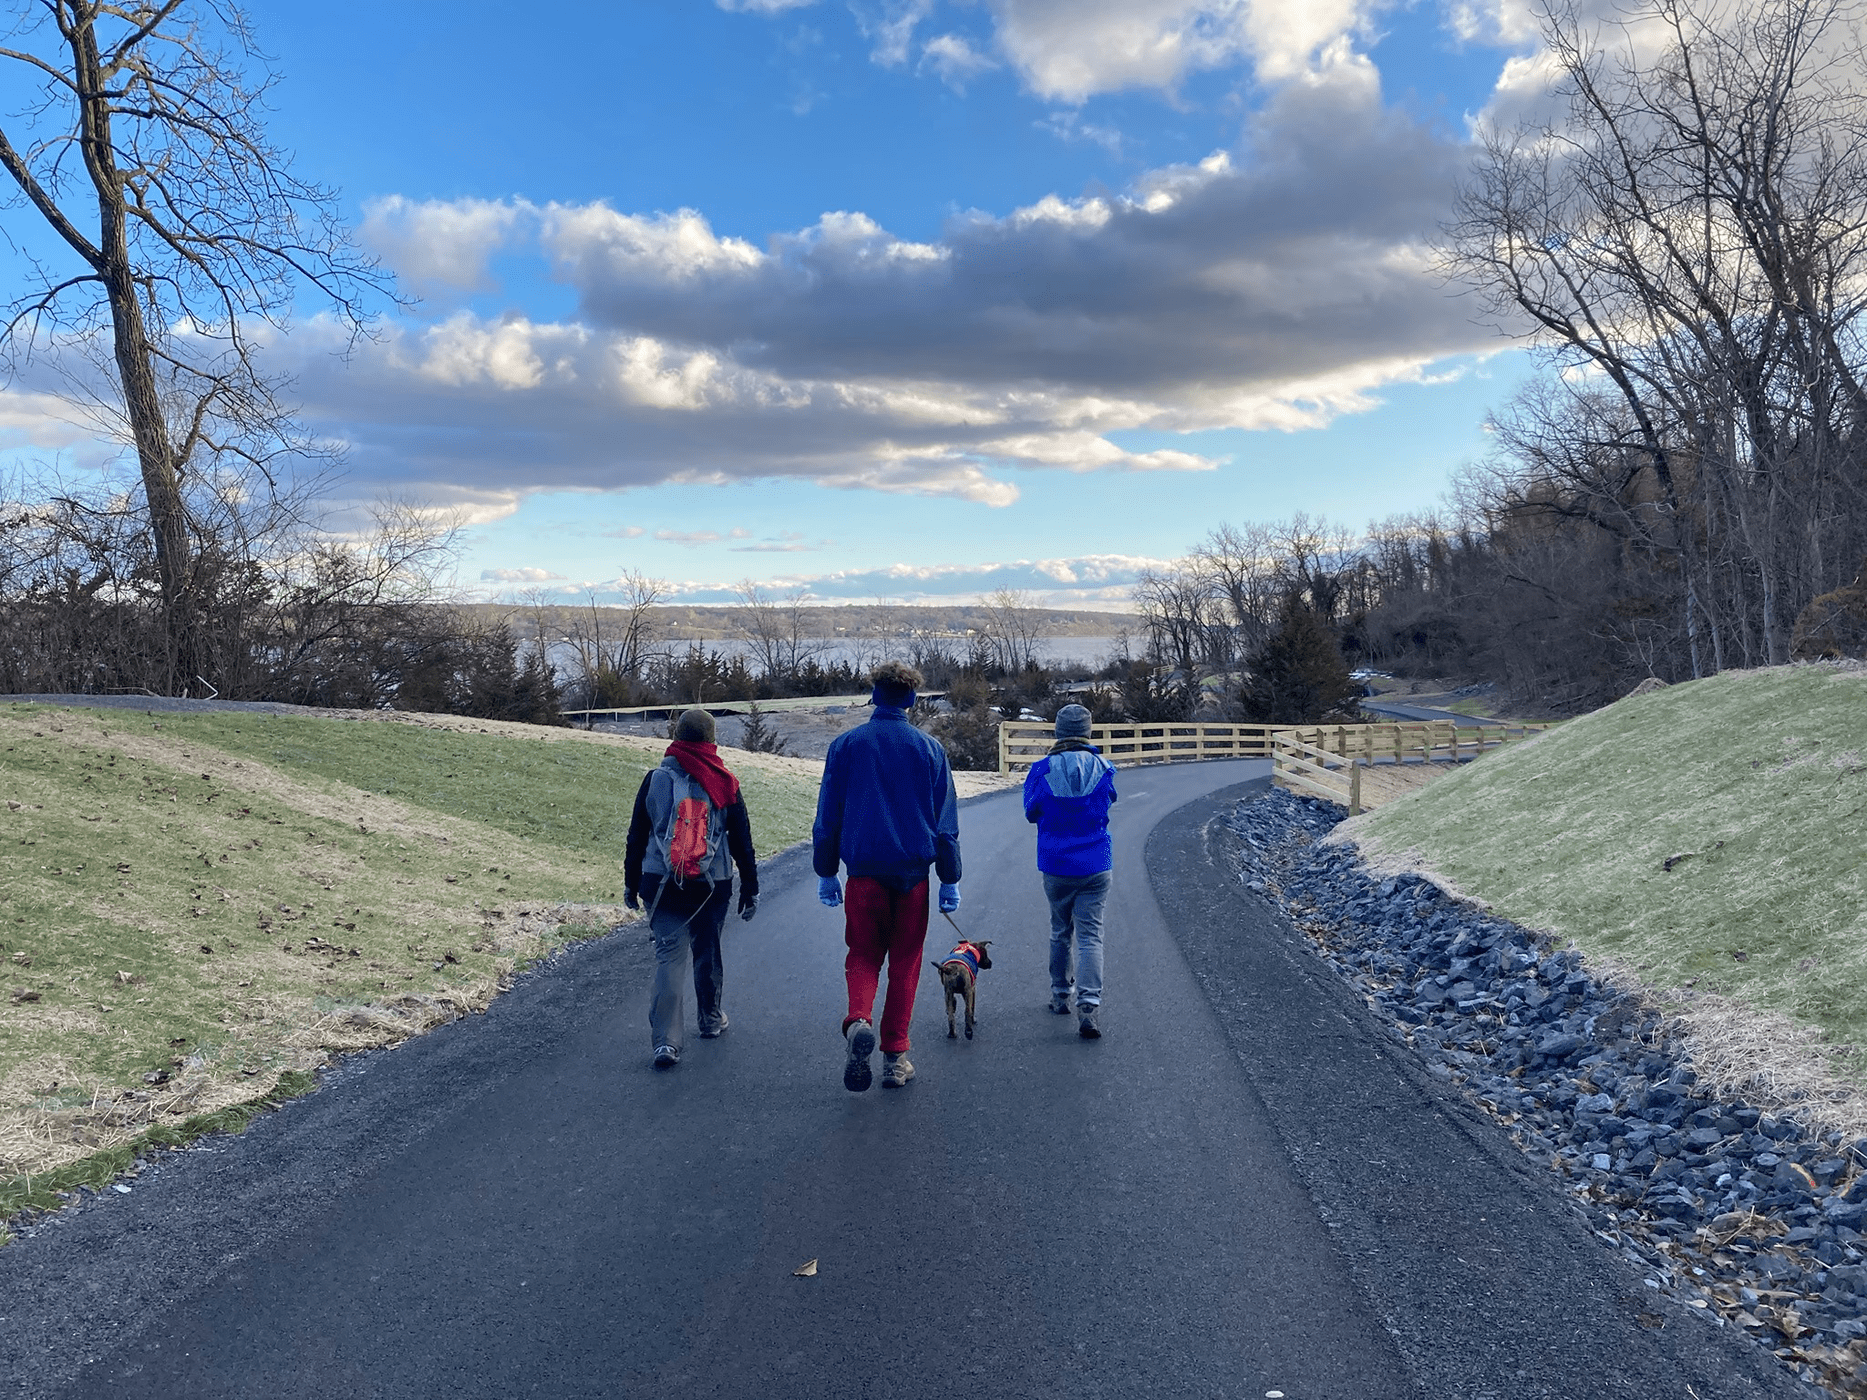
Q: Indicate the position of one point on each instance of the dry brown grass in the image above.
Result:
(1763, 1057)
(1381, 783)
(192, 924)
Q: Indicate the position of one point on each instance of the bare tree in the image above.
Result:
(179, 239)
(1242, 565)
(1177, 607)
(1012, 623)
(777, 630)
(1687, 242)
(874, 638)
(614, 645)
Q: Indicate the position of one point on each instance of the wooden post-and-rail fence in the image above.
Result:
(1322, 760)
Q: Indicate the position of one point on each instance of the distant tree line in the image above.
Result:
(283, 613)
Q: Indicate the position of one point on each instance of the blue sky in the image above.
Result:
(903, 298)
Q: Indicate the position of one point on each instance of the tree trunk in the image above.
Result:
(142, 401)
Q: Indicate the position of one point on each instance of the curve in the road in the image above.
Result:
(1394, 709)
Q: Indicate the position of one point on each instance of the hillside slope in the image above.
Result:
(1709, 837)
(198, 903)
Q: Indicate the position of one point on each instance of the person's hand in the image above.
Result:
(949, 898)
(748, 906)
(830, 891)
(632, 900)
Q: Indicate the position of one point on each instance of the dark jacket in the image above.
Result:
(887, 808)
(1067, 795)
(652, 801)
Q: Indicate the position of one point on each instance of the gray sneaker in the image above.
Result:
(857, 1075)
(897, 1070)
(1059, 1004)
(1086, 1025)
(715, 1029)
(667, 1056)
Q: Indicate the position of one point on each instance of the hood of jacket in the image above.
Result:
(1075, 773)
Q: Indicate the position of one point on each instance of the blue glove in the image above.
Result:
(830, 891)
(949, 898)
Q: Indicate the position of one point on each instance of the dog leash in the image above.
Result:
(956, 928)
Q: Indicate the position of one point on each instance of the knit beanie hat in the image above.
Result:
(696, 727)
(1072, 722)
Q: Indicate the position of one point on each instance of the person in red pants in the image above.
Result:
(887, 811)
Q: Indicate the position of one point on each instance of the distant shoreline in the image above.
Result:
(719, 622)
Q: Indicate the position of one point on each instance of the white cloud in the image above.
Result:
(438, 246)
(1068, 125)
(463, 351)
(689, 537)
(954, 61)
(787, 542)
(890, 25)
(593, 240)
(34, 418)
(1502, 23)
(518, 576)
(1276, 290)
(763, 7)
(1070, 50)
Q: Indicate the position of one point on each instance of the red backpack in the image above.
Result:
(690, 838)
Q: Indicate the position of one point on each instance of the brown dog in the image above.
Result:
(959, 977)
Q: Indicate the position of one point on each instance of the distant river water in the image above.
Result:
(1090, 652)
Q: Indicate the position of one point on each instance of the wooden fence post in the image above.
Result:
(1004, 748)
(1354, 789)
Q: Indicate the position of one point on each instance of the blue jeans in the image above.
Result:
(1076, 911)
(686, 924)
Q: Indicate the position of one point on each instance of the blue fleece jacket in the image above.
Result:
(1068, 796)
(887, 808)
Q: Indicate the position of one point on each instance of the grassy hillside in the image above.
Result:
(1711, 835)
(198, 904)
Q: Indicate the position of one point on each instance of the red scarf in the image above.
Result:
(702, 762)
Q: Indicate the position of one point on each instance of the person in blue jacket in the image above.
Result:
(887, 810)
(1067, 795)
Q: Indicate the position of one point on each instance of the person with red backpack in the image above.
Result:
(689, 828)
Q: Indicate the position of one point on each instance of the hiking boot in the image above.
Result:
(857, 1075)
(897, 1070)
(667, 1056)
(1086, 1025)
(1060, 1004)
(714, 1029)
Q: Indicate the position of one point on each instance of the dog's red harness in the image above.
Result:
(967, 953)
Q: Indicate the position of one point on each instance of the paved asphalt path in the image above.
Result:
(1394, 709)
(1245, 1187)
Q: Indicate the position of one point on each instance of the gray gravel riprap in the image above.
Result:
(1726, 1207)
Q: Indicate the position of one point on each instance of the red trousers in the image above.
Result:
(880, 924)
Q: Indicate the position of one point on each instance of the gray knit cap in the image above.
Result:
(1072, 722)
(696, 727)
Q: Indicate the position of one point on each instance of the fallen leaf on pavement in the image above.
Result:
(808, 1269)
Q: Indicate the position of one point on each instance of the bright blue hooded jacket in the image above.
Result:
(887, 807)
(1068, 796)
